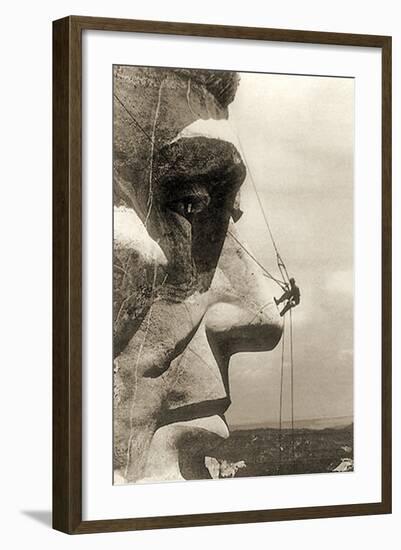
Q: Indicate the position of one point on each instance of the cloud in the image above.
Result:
(297, 131)
(341, 282)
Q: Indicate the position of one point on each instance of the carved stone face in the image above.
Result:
(186, 294)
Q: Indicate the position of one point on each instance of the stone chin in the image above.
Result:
(178, 450)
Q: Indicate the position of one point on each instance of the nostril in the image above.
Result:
(270, 323)
(276, 331)
(236, 327)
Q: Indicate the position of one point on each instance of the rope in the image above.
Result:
(280, 435)
(286, 278)
(292, 387)
(146, 134)
(267, 273)
(281, 399)
(282, 284)
(280, 262)
(152, 153)
(132, 117)
(152, 177)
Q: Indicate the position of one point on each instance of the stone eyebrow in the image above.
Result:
(200, 159)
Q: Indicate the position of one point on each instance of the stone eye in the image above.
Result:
(189, 206)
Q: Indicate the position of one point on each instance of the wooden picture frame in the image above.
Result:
(67, 274)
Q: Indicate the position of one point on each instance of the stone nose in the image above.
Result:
(238, 328)
(244, 316)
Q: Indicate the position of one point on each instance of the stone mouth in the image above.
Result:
(196, 411)
(214, 425)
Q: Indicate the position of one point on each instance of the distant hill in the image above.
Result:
(338, 422)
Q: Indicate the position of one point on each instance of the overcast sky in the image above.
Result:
(297, 135)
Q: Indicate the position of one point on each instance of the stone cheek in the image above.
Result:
(194, 384)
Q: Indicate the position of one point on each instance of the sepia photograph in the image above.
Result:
(233, 277)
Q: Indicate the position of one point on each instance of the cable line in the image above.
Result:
(267, 273)
(286, 278)
(280, 262)
(280, 425)
(292, 387)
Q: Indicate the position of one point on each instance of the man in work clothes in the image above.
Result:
(292, 295)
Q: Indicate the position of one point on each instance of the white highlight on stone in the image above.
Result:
(130, 233)
(215, 129)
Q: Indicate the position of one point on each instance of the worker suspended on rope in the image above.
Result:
(292, 295)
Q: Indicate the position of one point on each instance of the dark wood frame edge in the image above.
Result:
(67, 310)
